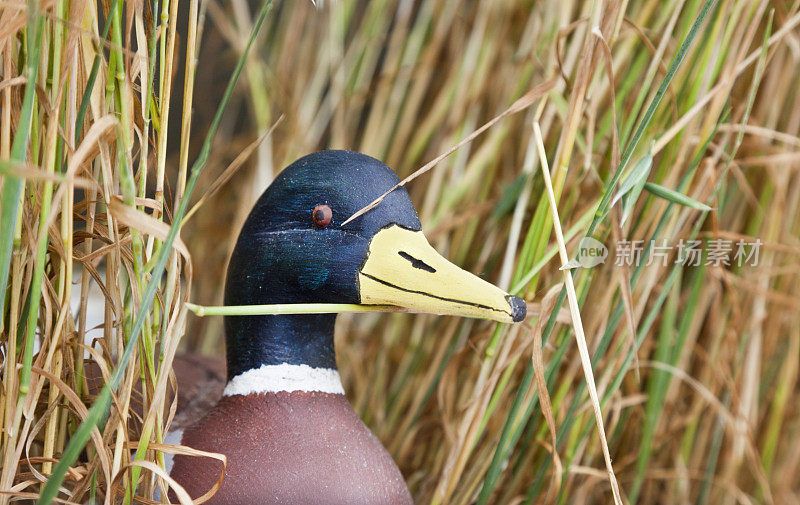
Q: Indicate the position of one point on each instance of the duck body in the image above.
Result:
(289, 434)
(291, 448)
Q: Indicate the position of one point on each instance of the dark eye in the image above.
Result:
(322, 215)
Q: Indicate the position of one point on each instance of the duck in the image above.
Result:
(283, 421)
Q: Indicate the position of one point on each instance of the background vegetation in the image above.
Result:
(696, 366)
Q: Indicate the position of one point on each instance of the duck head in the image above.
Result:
(294, 249)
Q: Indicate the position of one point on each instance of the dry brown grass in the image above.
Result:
(708, 413)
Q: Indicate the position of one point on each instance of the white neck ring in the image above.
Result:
(285, 378)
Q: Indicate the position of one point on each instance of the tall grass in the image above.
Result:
(675, 107)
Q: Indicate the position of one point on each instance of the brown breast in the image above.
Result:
(290, 448)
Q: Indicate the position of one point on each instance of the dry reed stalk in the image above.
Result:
(712, 415)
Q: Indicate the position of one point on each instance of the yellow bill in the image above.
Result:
(403, 269)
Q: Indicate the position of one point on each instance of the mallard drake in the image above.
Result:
(284, 423)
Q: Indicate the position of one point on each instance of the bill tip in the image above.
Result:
(519, 309)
